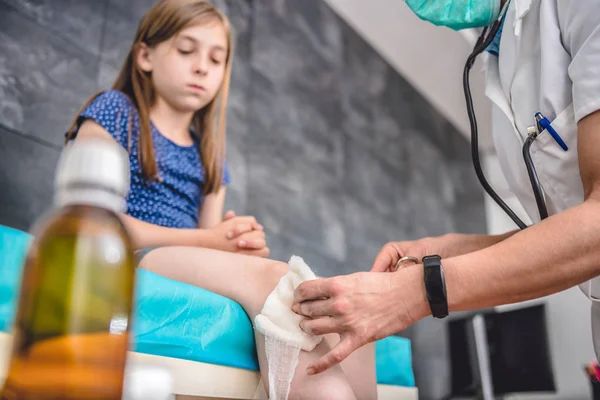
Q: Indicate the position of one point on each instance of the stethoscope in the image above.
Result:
(542, 124)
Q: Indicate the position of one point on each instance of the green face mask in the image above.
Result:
(456, 14)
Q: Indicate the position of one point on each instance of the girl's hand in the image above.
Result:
(253, 243)
(240, 235)
(229, 215)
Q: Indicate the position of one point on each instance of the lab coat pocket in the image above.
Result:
(557, 169)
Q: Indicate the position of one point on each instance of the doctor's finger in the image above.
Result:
(315, 308)
(338, 354)
(314, 289)
(321, 326)
(384, 260)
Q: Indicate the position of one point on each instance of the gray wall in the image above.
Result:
(330, 148)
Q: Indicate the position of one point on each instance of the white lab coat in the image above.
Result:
(549, 62)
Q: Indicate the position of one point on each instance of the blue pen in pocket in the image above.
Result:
(543, 123)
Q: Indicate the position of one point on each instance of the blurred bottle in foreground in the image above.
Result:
(71, 331)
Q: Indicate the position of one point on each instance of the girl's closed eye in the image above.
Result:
(217, 57)
(185, 50)
(185, 45)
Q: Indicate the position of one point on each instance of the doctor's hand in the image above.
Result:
(362, 308)
(445, 246)
(389, 255)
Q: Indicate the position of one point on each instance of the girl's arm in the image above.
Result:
(147, 235)
(211, 211)
(221, 236)
(143, 233)
(250, 236)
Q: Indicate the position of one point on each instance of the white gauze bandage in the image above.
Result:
(281, 327)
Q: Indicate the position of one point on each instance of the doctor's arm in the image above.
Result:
(563, 250)
(555, 254)
(558, 253)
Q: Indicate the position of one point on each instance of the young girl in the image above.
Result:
(164, 106)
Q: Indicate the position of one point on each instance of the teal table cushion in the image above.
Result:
(173, 319)
(13, 246)
(393, 360)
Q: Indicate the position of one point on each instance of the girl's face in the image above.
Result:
(187, 70)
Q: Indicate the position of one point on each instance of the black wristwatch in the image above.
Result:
(435, 285)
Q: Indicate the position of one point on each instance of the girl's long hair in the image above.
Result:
(164, 20)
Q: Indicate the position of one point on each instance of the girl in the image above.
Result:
(163, 107)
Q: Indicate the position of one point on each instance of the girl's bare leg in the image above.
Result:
(359, 368)
(249, 281)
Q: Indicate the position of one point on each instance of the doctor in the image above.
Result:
(547, 60)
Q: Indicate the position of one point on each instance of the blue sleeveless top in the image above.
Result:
(173, 202)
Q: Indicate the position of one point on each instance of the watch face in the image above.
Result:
(435, 284)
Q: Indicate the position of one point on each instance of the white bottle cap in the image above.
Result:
(147, 382)
(93, 172)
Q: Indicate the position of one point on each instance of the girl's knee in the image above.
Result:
(327, 389)
(267, 278)
(276, 270)
(270, 274)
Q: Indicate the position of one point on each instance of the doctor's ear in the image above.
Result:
(143, 56)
